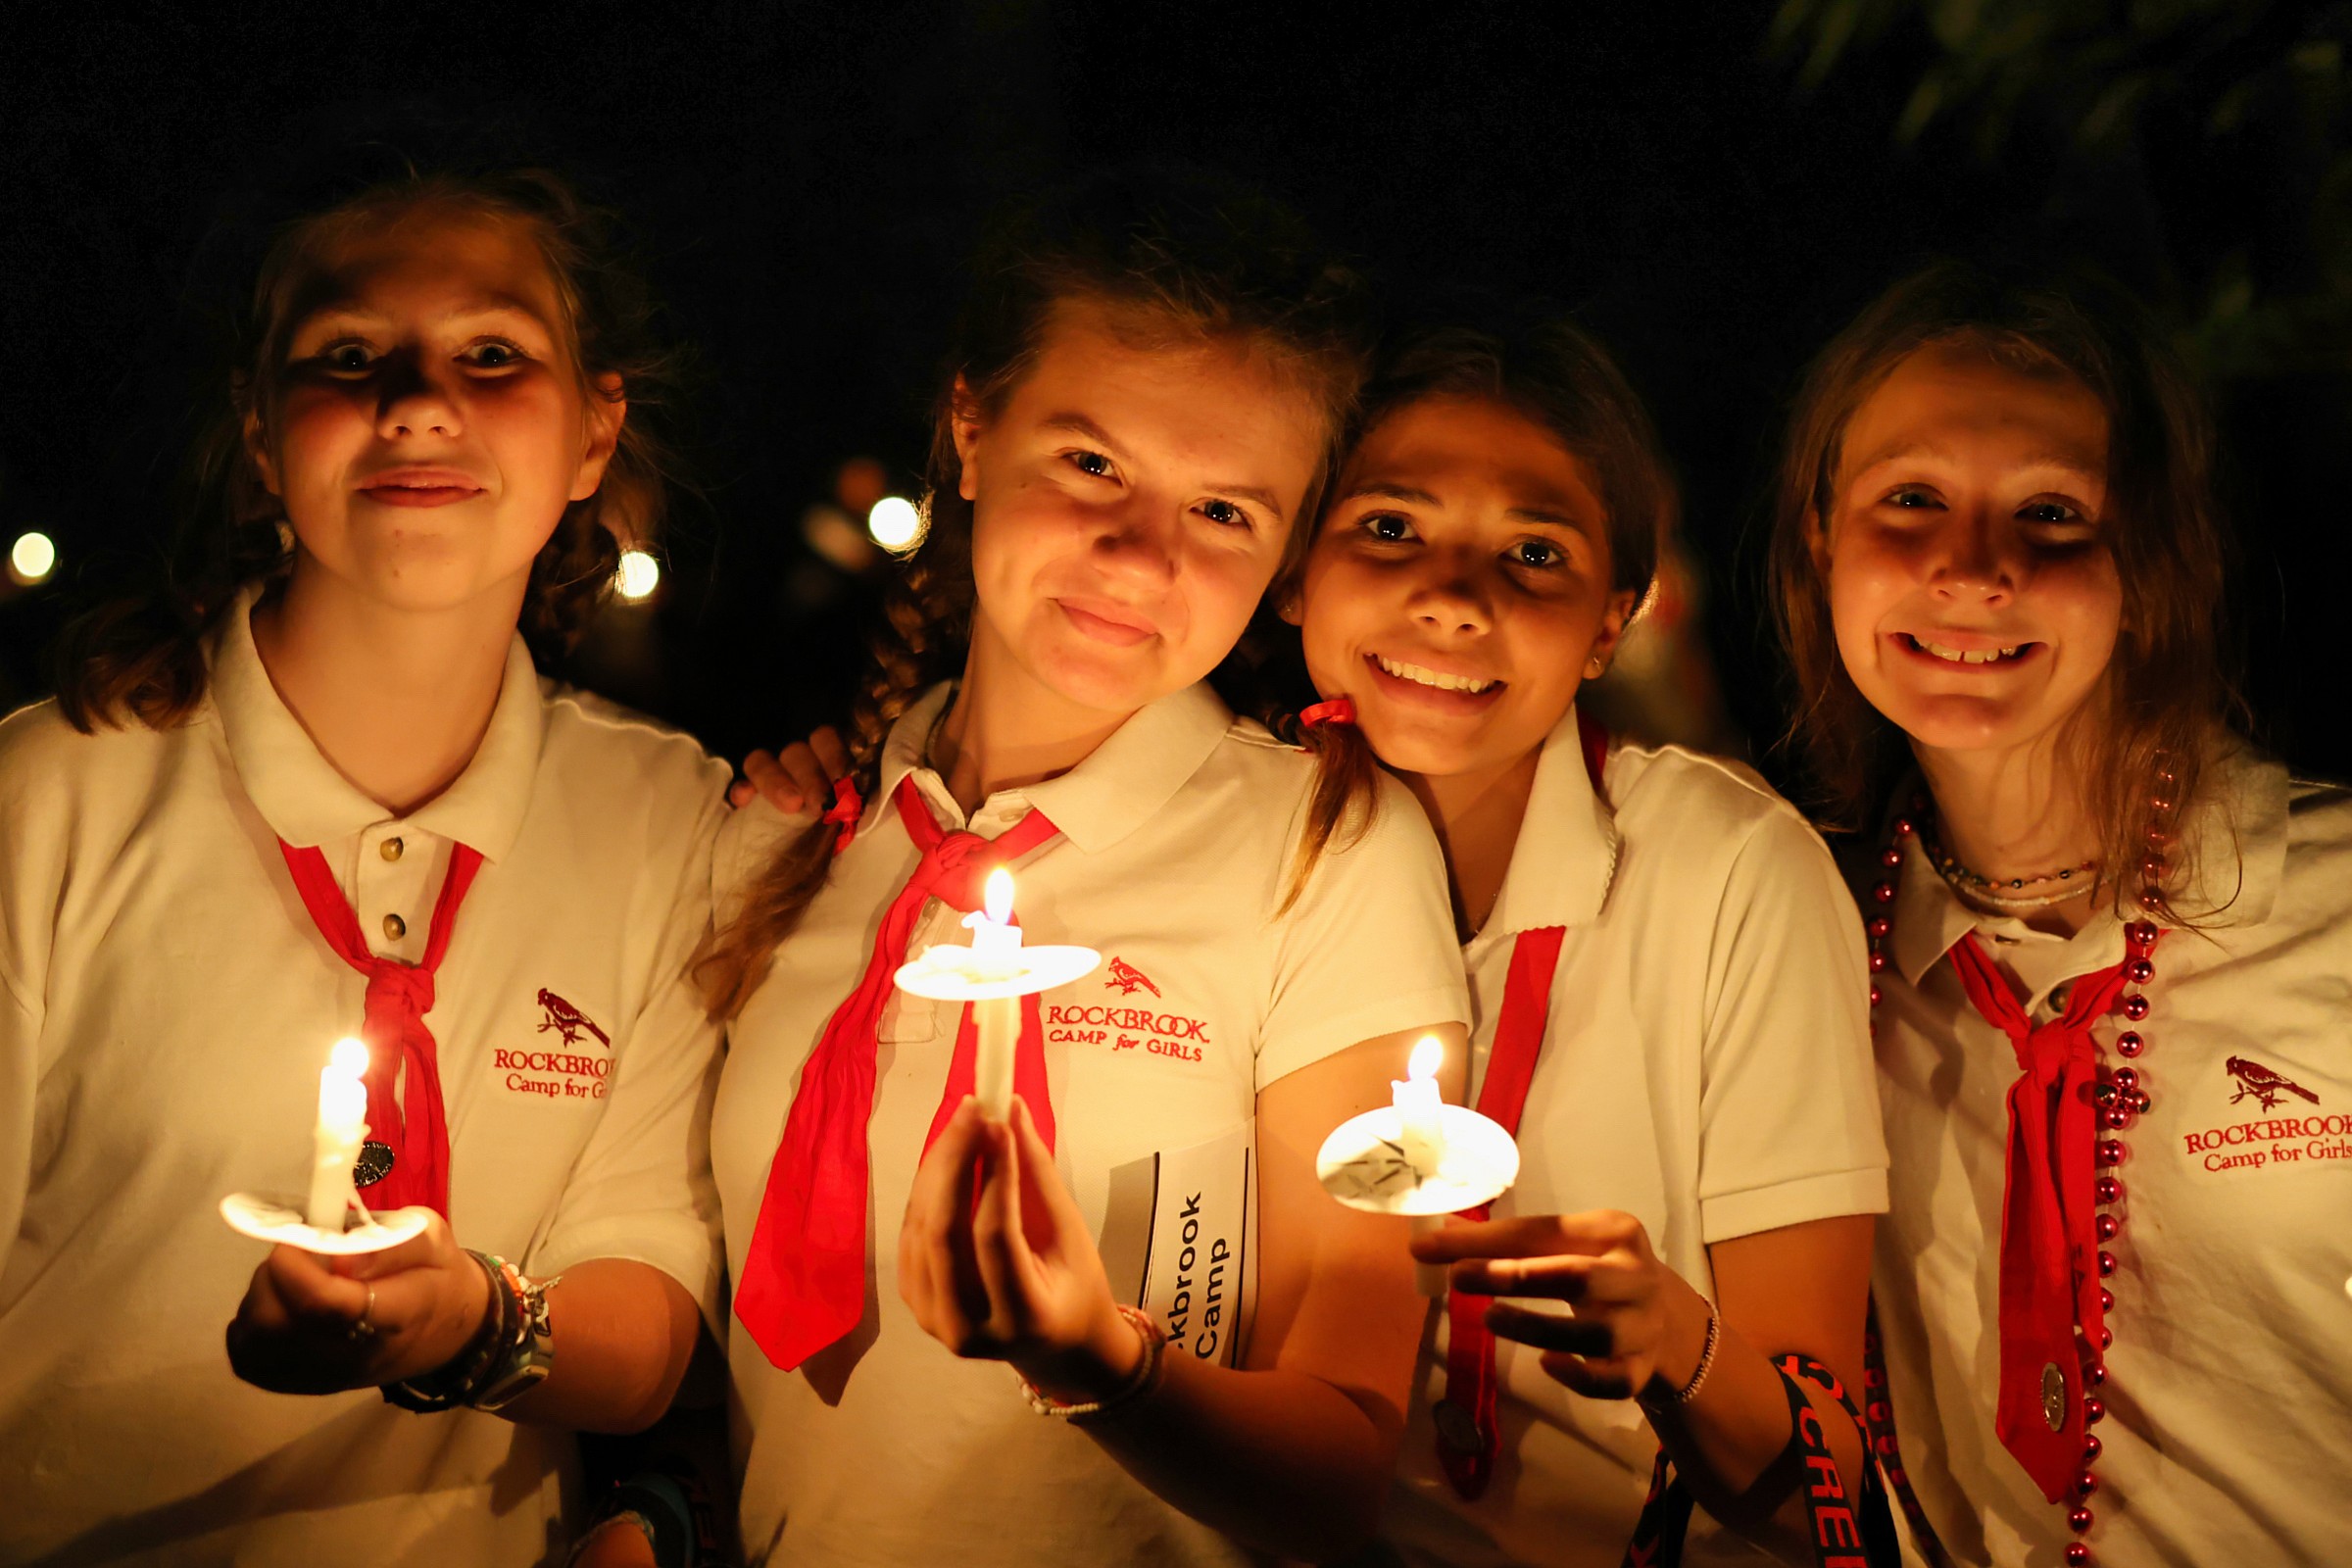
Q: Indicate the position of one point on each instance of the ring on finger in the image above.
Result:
(364, 1328)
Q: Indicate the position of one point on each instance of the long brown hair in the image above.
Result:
(2167, 702)
(141, 658)
(1176, 257)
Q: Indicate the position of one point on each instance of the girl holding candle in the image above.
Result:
(318, 787)
(2109, 942)
(1661, 959)
(1148, 381)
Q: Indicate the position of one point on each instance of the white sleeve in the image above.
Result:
(1368, 948)
(1788, 1105)
(19, 1074)
(642, 1189)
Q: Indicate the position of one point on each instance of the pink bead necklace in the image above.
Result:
(2122, 1096)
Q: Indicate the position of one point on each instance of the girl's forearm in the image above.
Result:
(1735, 1450)
(1280, 1460)
(625, 1332)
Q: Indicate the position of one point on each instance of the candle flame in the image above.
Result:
(350, 1056)
(997, 896)
(1429, 1054)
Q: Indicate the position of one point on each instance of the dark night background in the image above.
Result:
(1716, 185)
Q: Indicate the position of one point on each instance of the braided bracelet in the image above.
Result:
(1141, 1383)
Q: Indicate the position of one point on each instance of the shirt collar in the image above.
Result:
(1114, 791)
(2237, 848)
(1566, 855)
(306, 803)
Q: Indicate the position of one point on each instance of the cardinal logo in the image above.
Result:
(1127, 977)
(568, 1020)
(2263, 1084)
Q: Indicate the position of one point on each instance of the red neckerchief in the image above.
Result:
(1470, 1387)
(2049, 1252)
(399, 996)
(803, 1281)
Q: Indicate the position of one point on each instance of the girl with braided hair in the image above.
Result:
(1149, 381)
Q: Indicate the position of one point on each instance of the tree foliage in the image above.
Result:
(2197, 148)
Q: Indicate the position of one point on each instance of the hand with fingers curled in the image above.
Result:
(1633, 1327)
(997, 1262)
(798, 778)
(311, 1324)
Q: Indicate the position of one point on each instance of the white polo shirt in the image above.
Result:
(2229, 1384)
(1176, 842)
(166, 1006)
(1705, 1068)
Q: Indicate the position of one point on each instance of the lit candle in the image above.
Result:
(997, 1018)
(1420, 1109)
(342, 1124)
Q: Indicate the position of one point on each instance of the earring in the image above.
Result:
(1594, 668)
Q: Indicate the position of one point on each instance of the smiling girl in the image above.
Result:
(1148, 382)
(1666, 984)
(318, 789)
(2108, 938)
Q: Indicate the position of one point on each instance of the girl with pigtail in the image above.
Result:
(315, 788)
(1146, 387)
(2109, 939)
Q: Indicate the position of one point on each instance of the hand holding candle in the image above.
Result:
(1419, 1157)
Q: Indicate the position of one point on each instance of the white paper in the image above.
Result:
(1180, 1241)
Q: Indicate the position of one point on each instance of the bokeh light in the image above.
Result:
(895, 523)
(32, 558)
(639, 575)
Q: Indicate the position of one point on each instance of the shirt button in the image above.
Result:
(394, 927)
(390, 849)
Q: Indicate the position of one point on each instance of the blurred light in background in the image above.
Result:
(832, 535)
(32, 558)
(895, 523)
(639, 575)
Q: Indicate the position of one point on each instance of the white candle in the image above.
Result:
(342, 1125)
(997, 1018)
(1421, 1108)
(994, 935)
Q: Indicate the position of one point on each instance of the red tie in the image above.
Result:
(803, 1281)
(1469, 1344)
(1466, 1437)
(399, 996)
(2049, 1252)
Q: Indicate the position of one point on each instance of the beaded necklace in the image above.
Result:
(2121, 1096)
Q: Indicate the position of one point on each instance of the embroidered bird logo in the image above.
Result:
(568, 1020)
(1126, 976)
(2265, 1085)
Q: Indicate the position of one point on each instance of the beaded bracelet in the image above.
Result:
(1706, 1362)
(1141, 1382)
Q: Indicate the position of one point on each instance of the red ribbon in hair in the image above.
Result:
(846, 812)
(1339, 710)
(803, 1282)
